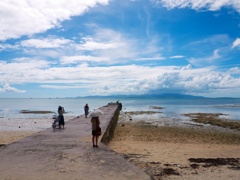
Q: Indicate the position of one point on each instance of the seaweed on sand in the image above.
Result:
(142, 112)
(35, 112)
(214, 119)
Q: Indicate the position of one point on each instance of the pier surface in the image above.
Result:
(67, 154)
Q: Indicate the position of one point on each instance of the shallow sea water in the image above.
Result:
(172, 112)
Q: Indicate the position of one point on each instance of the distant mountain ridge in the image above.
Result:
(163, 96)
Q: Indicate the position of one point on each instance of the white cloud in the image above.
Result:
(235, 70)
(104, 45)
(80, 59)
(210, 42)
(212, 5)
(20, 70)
(30, 17)
(8, 47)
(188, 67)
(128, 79)
(109, 43)
(150, 58)
(61, 87)
(181, 81)
(25, 63)
(110, 46)
(236, 43)
(7, 88)
(46, 42)
(89, 43)
(214, 56)
(210, 60)
(177, 57)
(120, 47)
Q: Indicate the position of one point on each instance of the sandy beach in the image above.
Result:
(179, 152)
(7, 137)
(15, 129)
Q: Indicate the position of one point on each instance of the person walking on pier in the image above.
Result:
(86, 109)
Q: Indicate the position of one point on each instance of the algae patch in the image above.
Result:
(35, 112)
(214, 119)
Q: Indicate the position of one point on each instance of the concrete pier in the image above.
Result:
(68, 153)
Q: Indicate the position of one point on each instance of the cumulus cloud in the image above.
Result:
(7, 88)
(31, 17)
(236, 43)
(123, 79)
(177, 81)
(174, 79)
(212, 5)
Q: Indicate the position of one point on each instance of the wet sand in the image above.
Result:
(179, 152)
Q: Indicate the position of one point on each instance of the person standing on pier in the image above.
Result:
(61, 117)
(86, 109)
(95, 130)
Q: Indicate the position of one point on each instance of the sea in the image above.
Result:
(172, 108)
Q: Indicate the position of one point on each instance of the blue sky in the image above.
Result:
(70, 48)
